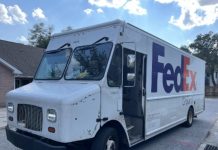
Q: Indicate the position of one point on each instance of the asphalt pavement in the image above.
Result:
(178, 138)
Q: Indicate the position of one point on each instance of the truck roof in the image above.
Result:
(91, 27)
(120, 22)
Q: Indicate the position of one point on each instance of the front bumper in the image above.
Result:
(28, 142)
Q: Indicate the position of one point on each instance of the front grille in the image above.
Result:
(210, 147)
(30, 117)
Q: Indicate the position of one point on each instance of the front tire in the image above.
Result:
(106, 139)
(190, 116)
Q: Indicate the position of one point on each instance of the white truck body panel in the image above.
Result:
(59, 96)
(79, 103)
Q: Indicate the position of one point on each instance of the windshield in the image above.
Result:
(53, 64)
(89, 62)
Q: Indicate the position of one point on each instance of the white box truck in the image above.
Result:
(109, 84)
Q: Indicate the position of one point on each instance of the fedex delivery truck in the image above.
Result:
(108, 84)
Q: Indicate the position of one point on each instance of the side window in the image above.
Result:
(114, 76)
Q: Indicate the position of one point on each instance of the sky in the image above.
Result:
(175, 21)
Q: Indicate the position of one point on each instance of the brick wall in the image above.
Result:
(6, 83)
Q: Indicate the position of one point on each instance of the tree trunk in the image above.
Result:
(213, 80)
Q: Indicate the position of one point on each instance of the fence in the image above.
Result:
(211, 91)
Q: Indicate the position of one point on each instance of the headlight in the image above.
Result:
(10, 107)
(51, 115)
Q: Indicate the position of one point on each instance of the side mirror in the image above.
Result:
(131, 61)
(131, 77)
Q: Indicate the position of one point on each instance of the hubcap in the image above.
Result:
(111, 144)
(190, 117)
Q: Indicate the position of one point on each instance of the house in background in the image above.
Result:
(18, 64)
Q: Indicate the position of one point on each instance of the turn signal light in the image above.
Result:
(51, 129)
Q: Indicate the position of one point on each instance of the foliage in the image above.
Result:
(185, 48)
(39, 35)
(205, 46)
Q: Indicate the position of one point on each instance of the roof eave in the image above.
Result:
(15, 70)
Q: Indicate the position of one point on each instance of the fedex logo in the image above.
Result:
(176, 78)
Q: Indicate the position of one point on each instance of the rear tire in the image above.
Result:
(106, 139)
(190, 116)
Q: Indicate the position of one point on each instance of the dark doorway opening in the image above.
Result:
(133, 96)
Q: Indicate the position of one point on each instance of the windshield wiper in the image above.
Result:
(59, 49)
(94, 44)
(66, 44)
(104, 38)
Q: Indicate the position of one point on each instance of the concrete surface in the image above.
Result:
(3, 116)
(211, 138)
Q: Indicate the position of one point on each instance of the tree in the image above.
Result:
(40, 35)
(185, 48)
(205, 46)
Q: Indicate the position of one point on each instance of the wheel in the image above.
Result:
(106, 139)
(190, 117)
